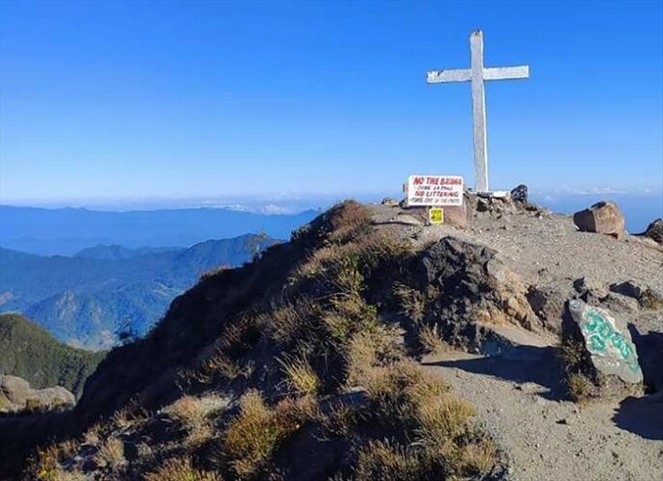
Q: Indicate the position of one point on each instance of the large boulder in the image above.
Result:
(603, 218)
(655, 231)
(15, 389)
(49, 399)
(601, 359)
(17, 395)
(475, 291)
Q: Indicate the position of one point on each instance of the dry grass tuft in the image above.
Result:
(478, 458)
(369, 349)
(45, 465)
(340, 420)
(254, 434)
(221, 364)
(349, 221)
(188, 411)
(93, 435)
(387, 462)
(300, 376)
(443, 418)
(193, 415)
(128, 417)
(412, 301)
(291, 414)
(285, 323)
(111, 454)
(580, 388)
(180, 469)
(430, 340)
(399, 389)
(250, 439)
(571, 353)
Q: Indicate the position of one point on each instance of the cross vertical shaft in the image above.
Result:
(478, 74)
(479, 113)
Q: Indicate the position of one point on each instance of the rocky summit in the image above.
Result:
(507, 344)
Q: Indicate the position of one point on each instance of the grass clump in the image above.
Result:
(188, 411)
(387, 462)
(580, 388)
(193, 414)
(46, 463)
(180, 469)
(399, 389)
(300, 376)
(253, 435)
(443, 418)
(111, 454)
(430, 340)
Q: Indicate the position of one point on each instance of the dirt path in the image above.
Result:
(551, 440)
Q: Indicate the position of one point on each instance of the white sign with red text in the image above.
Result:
(434, 190)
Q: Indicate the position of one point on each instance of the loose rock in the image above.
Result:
(548, 304)
(519, 194)
(655, 231)
(603, 218)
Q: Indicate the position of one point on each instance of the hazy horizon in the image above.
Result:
(639, 208)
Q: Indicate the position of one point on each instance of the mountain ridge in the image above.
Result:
(84, 300)
(66, 231)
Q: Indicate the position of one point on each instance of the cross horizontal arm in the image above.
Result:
(506, 73)
(441, 76)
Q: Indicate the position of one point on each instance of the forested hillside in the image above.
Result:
(28, 351)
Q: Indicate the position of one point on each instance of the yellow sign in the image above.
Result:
(436, 215)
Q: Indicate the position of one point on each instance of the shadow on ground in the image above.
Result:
(642, 416)
(650, 356)
(521, 364)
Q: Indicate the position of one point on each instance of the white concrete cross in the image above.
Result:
(477, 73)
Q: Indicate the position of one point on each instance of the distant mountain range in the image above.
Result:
(88, 299)
(28, 351)
(67, 231)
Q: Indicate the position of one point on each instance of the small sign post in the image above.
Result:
(436, 215)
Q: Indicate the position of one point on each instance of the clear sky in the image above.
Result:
(178, 99)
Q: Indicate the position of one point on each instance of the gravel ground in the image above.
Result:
(550, 440)
(546, 250)
(545, 437)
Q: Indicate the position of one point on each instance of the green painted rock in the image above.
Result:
(607, 341)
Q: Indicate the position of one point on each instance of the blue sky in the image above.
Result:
(127, 100)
